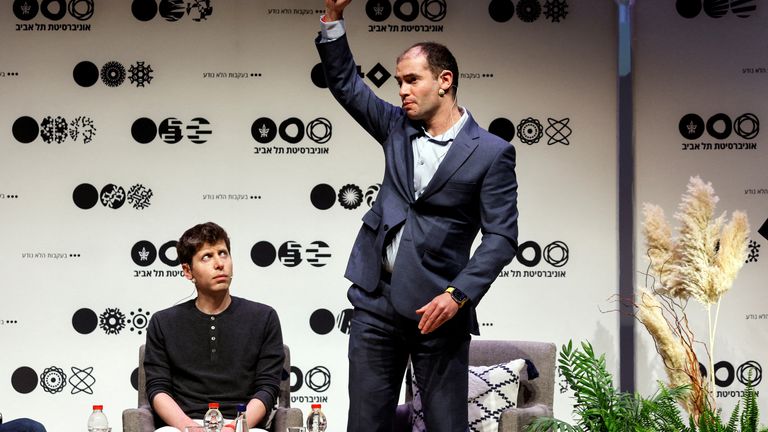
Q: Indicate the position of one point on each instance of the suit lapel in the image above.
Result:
(404, 161)
(465, 143)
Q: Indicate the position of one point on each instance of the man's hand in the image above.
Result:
(334, 9)
(436, 313)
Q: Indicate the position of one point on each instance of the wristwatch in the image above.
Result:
(457, 296)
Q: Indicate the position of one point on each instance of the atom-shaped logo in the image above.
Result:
(530, 131)
(555, 10)
(140, 74)
(350, 197)
(113, 74)
(754, 251)
(138, 321)
(53, 380)
(558, 131)
(82, 380)
(112, 321)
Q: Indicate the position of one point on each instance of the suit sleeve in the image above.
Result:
(498, 225)
(375, 115)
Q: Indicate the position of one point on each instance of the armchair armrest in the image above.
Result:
(285, 418)
(138, 419)
(515, 419)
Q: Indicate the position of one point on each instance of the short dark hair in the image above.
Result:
(194, 238)
(439, 58)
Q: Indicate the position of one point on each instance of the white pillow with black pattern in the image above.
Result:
(492, 390)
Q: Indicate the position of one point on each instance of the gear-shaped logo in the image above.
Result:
(530, 131)
(555, 10)
(350, 197)
(140, 74)
(112, 321)
(53, 379)
(529, 10)
(113, 74)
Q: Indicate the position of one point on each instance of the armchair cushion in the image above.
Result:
(492, 391)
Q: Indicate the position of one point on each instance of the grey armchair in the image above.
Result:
(141, 419)
(535, 397)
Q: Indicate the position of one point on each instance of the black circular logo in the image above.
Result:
(143, 253)
(691, 126)
(503, 128)
(24, 380)
(85, 196)
(321, 321)
(85, 74)
(85, 321)
(144, 130)
(25, 129)
(323, 196)
(263, 254)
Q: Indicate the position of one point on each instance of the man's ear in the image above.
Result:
(187, 271)
(445, 80)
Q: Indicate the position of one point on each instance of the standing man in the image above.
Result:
(214, 348)
(414, 285)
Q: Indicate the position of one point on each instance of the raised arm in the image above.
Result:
(375, 115)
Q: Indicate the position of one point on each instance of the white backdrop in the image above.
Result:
(82, 278)
(698, 63)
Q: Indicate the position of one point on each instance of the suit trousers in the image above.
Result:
(380, 344)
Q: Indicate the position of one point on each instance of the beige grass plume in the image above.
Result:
(701, 263)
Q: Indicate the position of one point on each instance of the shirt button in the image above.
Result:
(213, 327)
(213, 337)
(213, 318)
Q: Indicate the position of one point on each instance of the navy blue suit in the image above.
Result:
(473, 190)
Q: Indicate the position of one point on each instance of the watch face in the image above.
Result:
(458, 295)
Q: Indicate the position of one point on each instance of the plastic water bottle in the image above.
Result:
(316, 420)
(213, 421)
(97, 422)
(241, 425)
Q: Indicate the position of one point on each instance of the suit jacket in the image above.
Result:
(474, 189)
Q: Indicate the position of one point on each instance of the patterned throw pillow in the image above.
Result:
(492, 390)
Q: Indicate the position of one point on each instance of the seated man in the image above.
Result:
(214, 348)
(21, 425)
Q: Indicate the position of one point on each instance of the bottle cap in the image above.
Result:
(98, 407)
(240, 407)
(213, 405)
(315, 406)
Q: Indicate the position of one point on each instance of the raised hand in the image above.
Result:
(334, 9)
